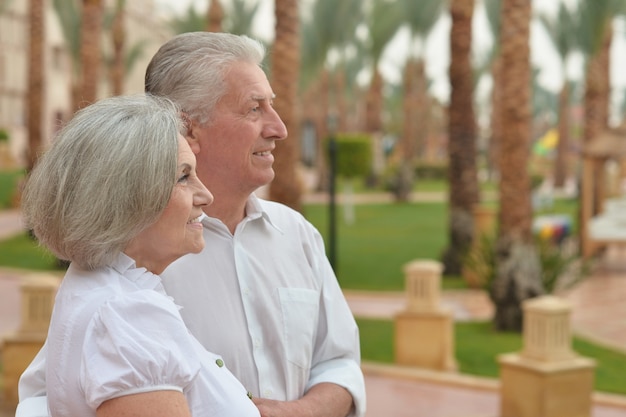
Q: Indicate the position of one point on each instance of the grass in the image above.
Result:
(23, 252)
(477, 347)
(8, 185)
(371, 252)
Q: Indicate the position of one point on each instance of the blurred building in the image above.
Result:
(145, 31)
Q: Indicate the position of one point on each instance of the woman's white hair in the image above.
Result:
(191, 67)
(107, 175)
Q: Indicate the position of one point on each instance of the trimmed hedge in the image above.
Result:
(354, 154)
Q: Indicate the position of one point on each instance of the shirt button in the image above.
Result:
(267, 393)
(219, 363)
(257, 342)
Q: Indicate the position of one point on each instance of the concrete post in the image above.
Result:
(37, 296)
(547, 378)
(424, 332)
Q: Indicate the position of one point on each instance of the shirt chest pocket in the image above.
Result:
(300, 309)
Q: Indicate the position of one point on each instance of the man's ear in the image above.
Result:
(192, 131)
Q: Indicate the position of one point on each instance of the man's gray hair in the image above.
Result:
(191, 68)
(107, 176)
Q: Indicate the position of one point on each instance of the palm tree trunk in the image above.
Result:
(322, 114)
(410, 108)
(496, 117)
(373, 121)
(422, 111)
(518, 272)
(215, 15)
(596, 107)
(374, 104)
(561, 160)
(286, 187)
(118, 35)
(462, 176)
(340, 99)
(36, 80)
(91, 30)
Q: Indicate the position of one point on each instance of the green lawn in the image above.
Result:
(23, 252)
(371, 252)
(477, 347)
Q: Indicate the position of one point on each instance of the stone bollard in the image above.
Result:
(547, 378)
(19, 349)
(424, 332)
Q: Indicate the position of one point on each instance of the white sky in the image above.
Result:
(437, 48)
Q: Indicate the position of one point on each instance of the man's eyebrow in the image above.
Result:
(262, 97)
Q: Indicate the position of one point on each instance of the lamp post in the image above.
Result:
(332, 217)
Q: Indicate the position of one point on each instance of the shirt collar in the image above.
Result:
(254, 210)
(126, 266)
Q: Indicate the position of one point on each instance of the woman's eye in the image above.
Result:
(184, 178)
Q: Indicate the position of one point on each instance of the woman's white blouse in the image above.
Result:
(115, 332)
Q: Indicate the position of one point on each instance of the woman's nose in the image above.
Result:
(203, 196)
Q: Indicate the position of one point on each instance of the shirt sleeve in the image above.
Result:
(136, 343)
(337, 354)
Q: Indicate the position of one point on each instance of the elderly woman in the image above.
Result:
(118, 196)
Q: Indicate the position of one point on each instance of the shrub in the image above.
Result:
(431, 170)
(354, 155)
(561, 267)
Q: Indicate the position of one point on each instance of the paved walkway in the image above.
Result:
(599, 313)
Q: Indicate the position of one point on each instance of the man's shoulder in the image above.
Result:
(283, 216)
(274, 207)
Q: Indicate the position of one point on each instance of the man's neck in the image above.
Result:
(229, 209)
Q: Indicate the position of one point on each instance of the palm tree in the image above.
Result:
(462, 176)
(337, 37)
(518, 272)
(563, 32)
(36, 80)
(236, 17)
(382, 20)
(215, 15)
(421, 17)
(493, 11)
(123, 57)
(285, 64)
(596, 35)
(68, 13)
(596, 38)
(239, 16)
(118, 38)
(90, 51)
(318, 76)
(192, 21)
